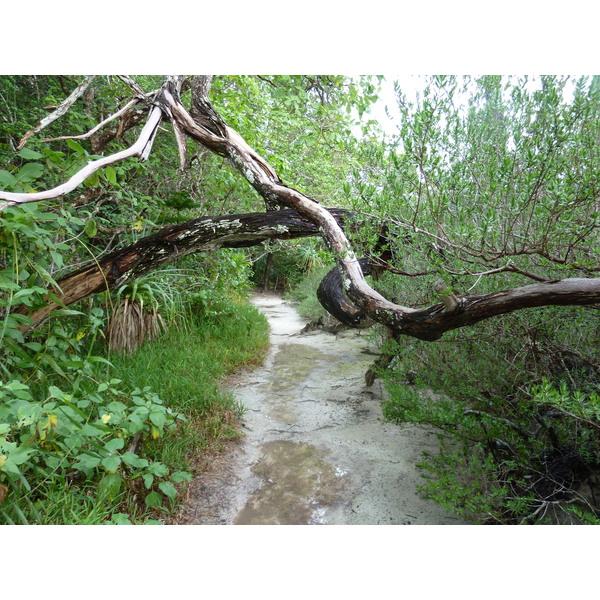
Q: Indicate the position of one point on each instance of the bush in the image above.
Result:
(518, 417)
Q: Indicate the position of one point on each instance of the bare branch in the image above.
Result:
(60, 111)
(174, 242)
(140, 148)
(91, 132)
(134, 85)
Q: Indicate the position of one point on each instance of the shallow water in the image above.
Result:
(316, 449)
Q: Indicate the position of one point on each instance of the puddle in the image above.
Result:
(298, 485)
(316, 448)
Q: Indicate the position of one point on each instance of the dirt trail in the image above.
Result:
(316, 450)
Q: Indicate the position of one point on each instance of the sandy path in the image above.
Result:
(316, 450)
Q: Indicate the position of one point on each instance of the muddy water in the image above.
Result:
(316, 450)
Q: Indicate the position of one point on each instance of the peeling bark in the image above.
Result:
(176, 241)
(206, 126)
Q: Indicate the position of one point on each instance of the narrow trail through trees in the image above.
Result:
(315, 450)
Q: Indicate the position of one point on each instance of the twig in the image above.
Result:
(527, 435)
(135, 442)
(91, 132)
(60, 111)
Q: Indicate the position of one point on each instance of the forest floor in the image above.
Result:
(315, 448)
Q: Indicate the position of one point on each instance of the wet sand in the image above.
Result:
(316, 449)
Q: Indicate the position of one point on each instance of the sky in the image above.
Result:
(413, 84)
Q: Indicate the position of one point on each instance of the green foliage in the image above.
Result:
(197, 357)
(510, 405)
(304, 293)
(66, 424)
(57, 423)
(487, 174)
(291, 262)
(491, 180)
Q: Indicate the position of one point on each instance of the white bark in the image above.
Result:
(60, 111)
(140, 148)
(91, 132)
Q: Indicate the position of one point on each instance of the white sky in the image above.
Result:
(410, 85)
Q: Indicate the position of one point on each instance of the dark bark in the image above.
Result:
(330, 294)
(431, 323)
(267, 276)
(176, 241)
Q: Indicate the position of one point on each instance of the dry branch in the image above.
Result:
(60, 111)
(427, 324)
(91, 132)
(140, 148)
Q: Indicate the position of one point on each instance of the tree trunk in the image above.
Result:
(267, 272)
(176, 241)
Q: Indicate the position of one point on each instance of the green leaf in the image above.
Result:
(114, 444)
(30, 171)
(119, 519)
(110, 486)
(111, 463)
(133, 460)
(158, 418)
(158, 469)
(21, 454)
(75, 146)
(168, 489)
(67, 312)
(86, 462)
(111, 175)
(179, 476)
(91, 228)
(6, 179)
(29, 154)
(153, 500)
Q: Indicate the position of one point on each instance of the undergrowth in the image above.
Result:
(187, 365)
(517, 407)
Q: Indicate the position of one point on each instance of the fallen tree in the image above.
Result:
(203, 124)
(172, 243)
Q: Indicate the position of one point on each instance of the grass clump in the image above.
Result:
(187, 365)
(305, 294)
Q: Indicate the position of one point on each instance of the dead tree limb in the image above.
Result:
(173, 242)
(60, 111)
(140, 148)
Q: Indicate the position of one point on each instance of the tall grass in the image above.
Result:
(187, 365)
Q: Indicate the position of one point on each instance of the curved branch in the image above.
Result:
(60, 111)
(91, 132)
(140, 148)
(207, 127)
(431, 323)
(173, 242)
